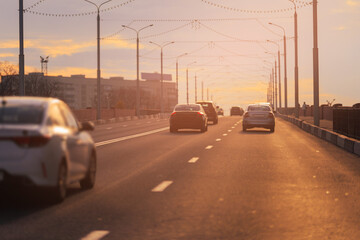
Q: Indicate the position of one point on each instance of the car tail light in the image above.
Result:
(28, 141)
(200, 113)
(173, 114)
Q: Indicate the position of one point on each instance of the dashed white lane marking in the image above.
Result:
(98, 144)
(148, 122)
(193, 160)
(218, 139)
(232, 127)
(225, 134)
(109, 128)
(95, 235)
(124, 125)
(209, 147)
(162, 186)
(229, 130)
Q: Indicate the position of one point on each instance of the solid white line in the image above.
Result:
(162, 186)
(209, 147)
(193, 160)
(98, 144)
(218, 139)
(95, 235)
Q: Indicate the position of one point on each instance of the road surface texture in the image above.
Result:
(222, 184)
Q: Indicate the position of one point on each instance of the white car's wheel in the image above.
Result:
(59, 192)
(89, 181)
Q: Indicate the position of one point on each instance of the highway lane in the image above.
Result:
(253, 185)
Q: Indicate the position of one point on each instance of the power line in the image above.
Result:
(302, 4)
(148, 36)
(75, 14)
(34, 5)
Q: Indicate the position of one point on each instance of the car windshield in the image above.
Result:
(191, 108)
(259, 109)
(24, 114)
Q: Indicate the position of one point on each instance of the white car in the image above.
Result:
(43, 145)
(259, 115)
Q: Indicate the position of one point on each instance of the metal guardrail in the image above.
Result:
(346, 121)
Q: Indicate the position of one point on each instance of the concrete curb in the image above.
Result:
(349, 144)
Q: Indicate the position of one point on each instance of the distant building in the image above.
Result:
(80, 92)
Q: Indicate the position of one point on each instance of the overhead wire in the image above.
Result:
(302, 5)
(76, 14)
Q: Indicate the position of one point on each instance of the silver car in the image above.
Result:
(259, 115)
(43, 145)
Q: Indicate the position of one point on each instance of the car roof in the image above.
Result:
(29, 100)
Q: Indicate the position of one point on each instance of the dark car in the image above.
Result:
(188, 116)
(236, 111)
(210, 110)
(220, 111)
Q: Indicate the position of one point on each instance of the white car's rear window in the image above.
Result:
(21, 114)
(259, 109)
(191, 107)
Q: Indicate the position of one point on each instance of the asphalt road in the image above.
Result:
(222, 184)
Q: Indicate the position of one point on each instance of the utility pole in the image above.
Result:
(98, 111)
(316, 67)
(296, 63)
(21, 48)
(279, 78)
(187, 86)
(285, 69)
(177, 76)
(207, 94)
(195, 89)
(162, 74)
(137, 67)
(202, 90)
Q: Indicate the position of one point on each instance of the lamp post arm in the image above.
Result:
(104, 3)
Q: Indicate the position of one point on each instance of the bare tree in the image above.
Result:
(36, 84)
(9, 79)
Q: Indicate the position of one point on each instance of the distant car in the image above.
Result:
(188, 116)
(210, 110)
(220, 111)
(259, 115)
(43, 145)
(236, 111)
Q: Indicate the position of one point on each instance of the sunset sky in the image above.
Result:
(228, 43)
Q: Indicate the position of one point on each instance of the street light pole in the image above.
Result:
(316, 67)
(98, 112)
(285, 68)
(162, 74)
(275, 78)
(196, 84)
(187, 81)
(195, 89)
(177, 76)
(137, 67)
(21, 49)
(202, 90)
(279, 63)
(296, 63)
